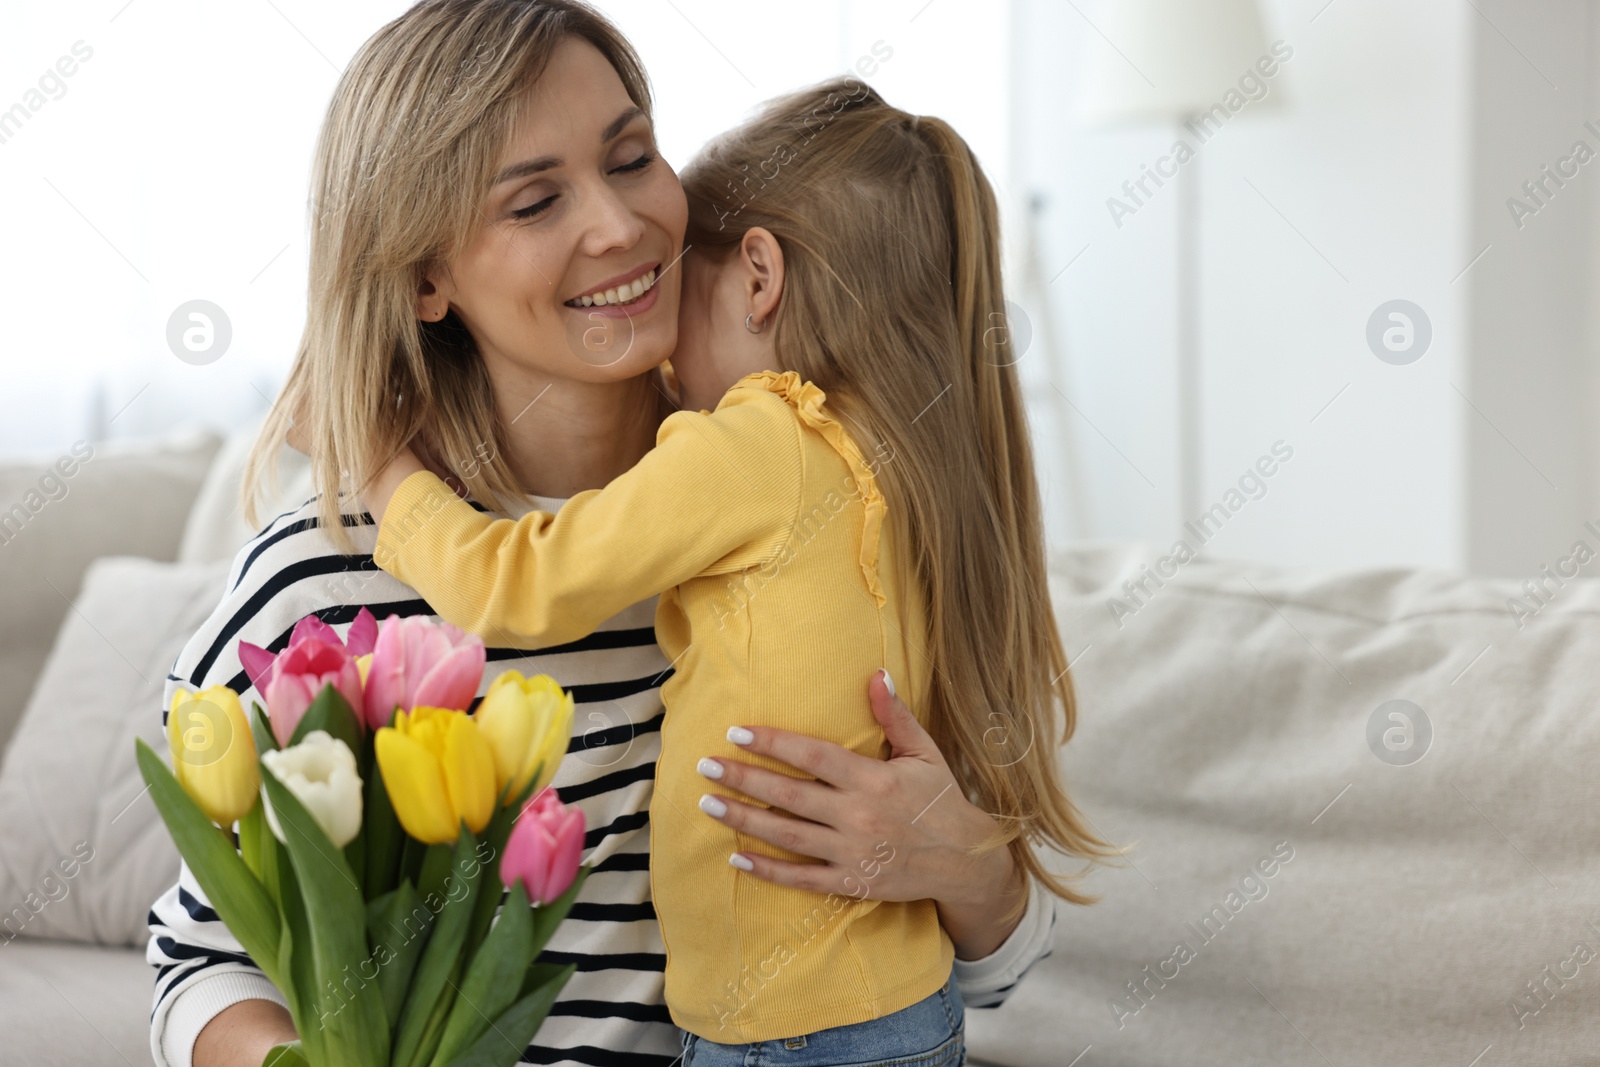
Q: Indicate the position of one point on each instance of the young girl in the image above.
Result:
(862, 495)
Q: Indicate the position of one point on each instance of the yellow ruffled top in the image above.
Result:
(808, 401)
(760, 527)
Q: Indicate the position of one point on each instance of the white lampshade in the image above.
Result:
(1169, 59)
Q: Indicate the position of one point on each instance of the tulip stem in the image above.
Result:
(412, 853)
(435, 870)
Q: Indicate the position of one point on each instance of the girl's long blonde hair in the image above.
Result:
(407, 151)
(893, 305)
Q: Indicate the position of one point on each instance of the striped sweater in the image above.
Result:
(612, 1012)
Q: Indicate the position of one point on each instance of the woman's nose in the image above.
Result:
(613, 223)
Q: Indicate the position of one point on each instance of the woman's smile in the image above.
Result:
(624, 296)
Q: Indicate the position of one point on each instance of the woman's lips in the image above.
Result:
(624, 309)
(621, 311)
(617, 288)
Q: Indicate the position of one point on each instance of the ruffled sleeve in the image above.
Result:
(809, 402)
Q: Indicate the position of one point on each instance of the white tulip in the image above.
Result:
(321, 772)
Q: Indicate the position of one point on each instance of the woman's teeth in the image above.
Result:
(622, 294)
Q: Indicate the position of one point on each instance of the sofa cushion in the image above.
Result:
(65, 1005)
(84, 852)
(125, 498)
(216, 528)
(1236, 720)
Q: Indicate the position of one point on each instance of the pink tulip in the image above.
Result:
(362, 636)
(316, 657)
(420, 663)
(544, 848)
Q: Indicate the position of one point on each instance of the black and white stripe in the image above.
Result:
(611, 1012)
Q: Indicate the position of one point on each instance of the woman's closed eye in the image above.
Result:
(633, 167)
(644, 160)
(534, 209)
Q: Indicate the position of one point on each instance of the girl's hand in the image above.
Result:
(378, 493)
(888, 830)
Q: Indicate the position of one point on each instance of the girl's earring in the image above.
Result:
(753, 329)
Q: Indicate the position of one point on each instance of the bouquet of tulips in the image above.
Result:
(377, 821)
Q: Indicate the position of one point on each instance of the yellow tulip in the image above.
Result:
(438, 770)
(363, 665)
(213, 753)
(528, 723)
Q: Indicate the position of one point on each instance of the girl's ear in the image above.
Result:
(761, 259)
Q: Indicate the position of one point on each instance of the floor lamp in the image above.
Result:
(1172, 62)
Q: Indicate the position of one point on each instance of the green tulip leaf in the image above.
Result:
(502, 1044)
(242, 903)
(296, 961)
(538, 974)
(354, 1031)
(355, 854)
(398, 922)
(252, 828)
(548, 916)
(379, 825)
(429, 1000)
(290, 1054)
(330, 712)
(493, 977)
(434, 1029)
(495, 834)
(261, 729)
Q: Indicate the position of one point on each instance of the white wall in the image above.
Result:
(1351, 191)
(1532, 449)
(175, 166)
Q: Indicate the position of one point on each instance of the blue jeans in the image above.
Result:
(930, 1033)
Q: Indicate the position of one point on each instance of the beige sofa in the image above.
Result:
(1301, 888)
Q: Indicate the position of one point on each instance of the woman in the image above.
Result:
(439, 312)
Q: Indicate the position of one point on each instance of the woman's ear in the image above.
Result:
(762, 261)
(433, 295)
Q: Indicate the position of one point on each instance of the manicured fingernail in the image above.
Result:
(888, 682)
(712, 806)
(740, 736)
(709, 767)
(741, 863)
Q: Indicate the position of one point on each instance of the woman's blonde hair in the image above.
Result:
(407, 152)
(892, 304)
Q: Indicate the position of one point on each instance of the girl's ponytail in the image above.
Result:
(1042, 704)
(981, 325)
(893, 305)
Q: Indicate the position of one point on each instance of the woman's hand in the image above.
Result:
(888, 830)
(242, 1034)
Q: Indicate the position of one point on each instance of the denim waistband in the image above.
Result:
(929, 1033)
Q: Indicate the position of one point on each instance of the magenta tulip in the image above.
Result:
(544, 848)
(417, 662)
(316, 657)
(363, 634)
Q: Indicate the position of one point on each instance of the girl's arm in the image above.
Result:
(718, 493)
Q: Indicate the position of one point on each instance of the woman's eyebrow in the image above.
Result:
(543, 163)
